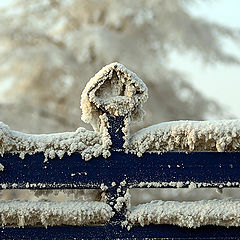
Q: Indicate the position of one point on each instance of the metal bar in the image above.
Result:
(115, 130)
(117, 232)
(217, 169)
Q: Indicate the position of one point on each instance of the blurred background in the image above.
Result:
(186, 51)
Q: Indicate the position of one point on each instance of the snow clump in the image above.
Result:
(34, 213)
(216, 136)
(116, 91)
(88, 143)
(187, 214)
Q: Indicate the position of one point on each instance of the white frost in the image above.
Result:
(88, 143)
(114, 90)
(1, 167)
(187, 214)
(32, 213)
(117, 91)
(220, 136)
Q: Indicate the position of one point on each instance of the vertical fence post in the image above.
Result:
(115, 131)
(116, 191)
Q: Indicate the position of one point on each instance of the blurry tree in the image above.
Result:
(49, 49)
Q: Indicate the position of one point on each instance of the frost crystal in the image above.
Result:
(220, 136)
(118, 92)
(115, 90)
(88, 143)
(1, 167)
(32, 213)
(187, 214)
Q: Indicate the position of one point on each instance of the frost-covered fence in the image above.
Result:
(184, 154)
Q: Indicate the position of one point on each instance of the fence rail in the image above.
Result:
(126, 171)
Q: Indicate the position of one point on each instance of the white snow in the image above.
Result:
(187, 214)
(32, 213)
(219, 136)
(1, 167)
(120, 92)
(114, 90)
(190, 185)
(88, 143)
(125, 200)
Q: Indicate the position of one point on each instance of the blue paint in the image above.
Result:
(117, 232)
(115, 131)
(209, 167)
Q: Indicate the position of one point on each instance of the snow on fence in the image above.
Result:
(176, 155)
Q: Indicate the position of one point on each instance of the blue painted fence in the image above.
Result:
(213, 168)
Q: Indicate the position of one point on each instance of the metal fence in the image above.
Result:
(126, 171)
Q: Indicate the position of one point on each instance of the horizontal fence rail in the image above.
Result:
(216, 169)
(114, 175)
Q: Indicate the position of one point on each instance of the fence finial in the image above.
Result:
(115, 92)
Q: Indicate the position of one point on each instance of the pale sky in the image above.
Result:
(220, 82)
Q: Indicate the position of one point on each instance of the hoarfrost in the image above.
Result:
(32, 213)
(220, 136)
(114, 90)
(117, 91)
(88, 143)
(187, 214)
(1, 167)
(125, 200)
